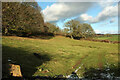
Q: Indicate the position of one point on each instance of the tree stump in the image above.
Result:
(15, 70)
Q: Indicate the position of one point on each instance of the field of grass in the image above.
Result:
(111, 38)
(58, 55)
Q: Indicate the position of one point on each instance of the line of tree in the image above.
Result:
(52, 28)
(26, 19)
(21, 18)
(76, 30)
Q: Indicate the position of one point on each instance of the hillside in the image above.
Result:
(58, 55)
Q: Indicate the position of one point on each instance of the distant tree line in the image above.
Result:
(26, 19)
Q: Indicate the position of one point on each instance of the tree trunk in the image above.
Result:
(71, 37)
(6, 31)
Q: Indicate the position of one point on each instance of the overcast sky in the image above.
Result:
(103, 16)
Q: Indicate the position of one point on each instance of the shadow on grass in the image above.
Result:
(111, 72)
(28, 61)
(41, 37)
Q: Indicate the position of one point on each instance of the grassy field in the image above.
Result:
(111, 38)
(58, 55)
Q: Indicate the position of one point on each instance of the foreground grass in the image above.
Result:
(58, 55)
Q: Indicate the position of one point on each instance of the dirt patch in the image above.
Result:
(114, 53)
(100, 63)
(79, 62)
(46, 71)
(87, 46)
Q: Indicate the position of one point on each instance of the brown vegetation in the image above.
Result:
(106, 41)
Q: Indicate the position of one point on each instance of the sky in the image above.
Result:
(102, 16)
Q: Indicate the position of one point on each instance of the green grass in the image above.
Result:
(59, 55)
(111, 38)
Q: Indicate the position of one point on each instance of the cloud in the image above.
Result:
(110, 11)
(97, 31)
(112, 20)
(111, 32)
(107, 32)
(84, 18)
(106, 13)
(106, 3)
(65, 10)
